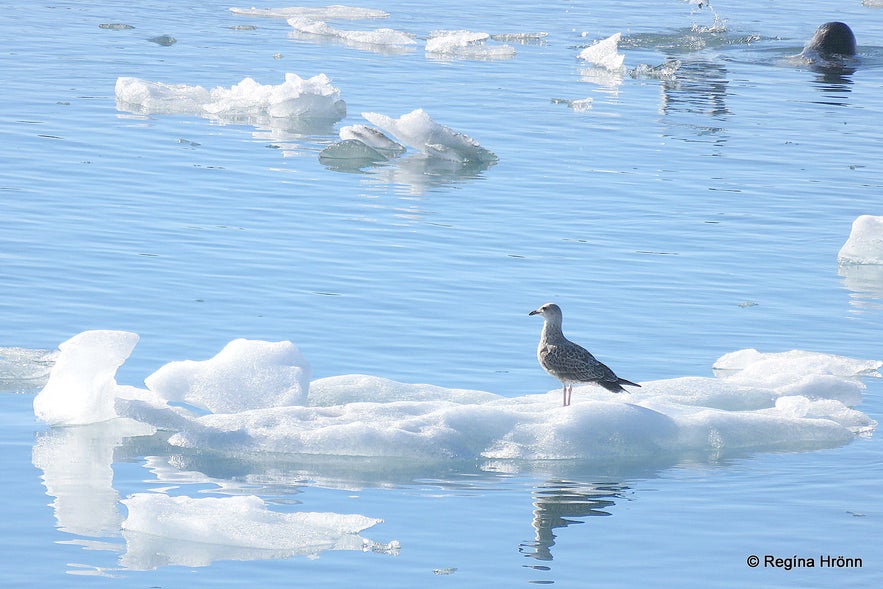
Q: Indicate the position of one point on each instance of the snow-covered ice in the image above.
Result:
(296, 97)
(605, 53)
(865, 243)
(759, 402)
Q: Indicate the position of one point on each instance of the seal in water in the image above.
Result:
(832, 39)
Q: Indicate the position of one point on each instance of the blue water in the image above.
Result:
(674, 221)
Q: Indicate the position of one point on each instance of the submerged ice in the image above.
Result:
(261, 402)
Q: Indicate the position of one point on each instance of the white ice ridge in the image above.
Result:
(758, 402)
(334, 12)
(296, 97)
(161, 530)
(865, 243)
(605, 53)
(465, 45)
(383, 36)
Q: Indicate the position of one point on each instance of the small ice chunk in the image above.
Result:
(447, 41)
(246, 374)
(865, 243)
(465, 45)
(418, 130)
(115, 26)
(164, 40)
(312, 98)
(375, 37)
(605, 53)
(522, 38)
(578, 105)
(334, 12)
(161, 530)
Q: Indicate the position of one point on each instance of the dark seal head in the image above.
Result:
(832, 39)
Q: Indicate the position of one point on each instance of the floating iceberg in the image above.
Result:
(418, 130)
(465, 45)
(759, 402)
(296, 97)
(865, 243)
(385, 37)
(605, 53)
(334, 12)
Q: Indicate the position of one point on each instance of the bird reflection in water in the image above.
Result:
(557, 504)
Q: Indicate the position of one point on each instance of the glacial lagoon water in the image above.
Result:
(687, 205)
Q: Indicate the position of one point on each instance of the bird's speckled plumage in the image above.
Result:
(569, 362)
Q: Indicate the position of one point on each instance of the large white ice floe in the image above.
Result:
(296, 97)
(163, 530)
(759, 402)
(865, 243)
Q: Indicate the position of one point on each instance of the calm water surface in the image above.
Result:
(674, 220)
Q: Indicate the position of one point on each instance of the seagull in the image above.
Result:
(570, 362)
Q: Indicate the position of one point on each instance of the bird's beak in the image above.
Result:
(535, 312)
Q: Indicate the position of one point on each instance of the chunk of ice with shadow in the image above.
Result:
(865, 243)
(418, 130)
(465, 45)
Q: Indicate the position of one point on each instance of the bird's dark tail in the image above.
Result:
(616, 386)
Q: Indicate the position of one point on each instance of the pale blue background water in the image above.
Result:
(674, 221)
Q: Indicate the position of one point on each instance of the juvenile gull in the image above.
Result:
(570, 362)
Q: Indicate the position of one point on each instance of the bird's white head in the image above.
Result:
(549, 311)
